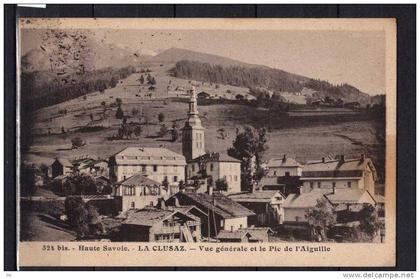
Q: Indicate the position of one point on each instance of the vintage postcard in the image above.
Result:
(206, 142)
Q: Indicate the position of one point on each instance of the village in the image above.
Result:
(153, 194)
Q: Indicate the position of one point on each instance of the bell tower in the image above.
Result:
(193, 131)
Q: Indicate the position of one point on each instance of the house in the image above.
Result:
(234, 236)
(285, 184)
(137, 192)
(223, 213)
(217, 166)
(267, 205)
(157, 163)
(284, 166)
(92, 167)
(160, 225)
(349, 199)
(297, 206)
(61, 166)
(260, 234)
(359, 173)
(251, 234)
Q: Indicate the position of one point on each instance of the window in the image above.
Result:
(287, 173)
(175, 178)
(222, 223)
(133, 205)
(311, 184)
(236, 178)
(211, 167)
(193, 167)
(275, 172)
(319, 184)
(155, 168)
(143, 168)
(349, 184)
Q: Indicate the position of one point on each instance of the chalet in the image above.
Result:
(297, 206)
(160, 225)
(267, 205)
(61, 166)
(359, 173)
(156, 163)
(137, 192)
(349, 199)
(251, 234)
(223, 213)
(234, 236)
(284, 166)
(92, 167)
(218, 166)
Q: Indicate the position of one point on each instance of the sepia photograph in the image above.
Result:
(207, 132)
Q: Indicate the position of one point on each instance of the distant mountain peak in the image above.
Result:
(174, 54)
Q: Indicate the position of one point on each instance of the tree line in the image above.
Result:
(258, 77)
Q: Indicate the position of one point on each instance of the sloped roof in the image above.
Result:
(148, 155)
(64, 162)
(338, 168)
(139, 179)
(269, 180)
(347, 195)
(239, 234)
(304, 200)
(283, 162)
(149, 216)
(215, 157)
(257, 196)
(220, 204)
(258, 232)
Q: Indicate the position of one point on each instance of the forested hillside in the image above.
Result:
(40, 89)
(272, 79)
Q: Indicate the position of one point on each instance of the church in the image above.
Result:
(217, 166)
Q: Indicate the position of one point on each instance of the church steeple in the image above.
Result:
(193, 131)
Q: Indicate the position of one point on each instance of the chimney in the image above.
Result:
(333, 189)
(323, 159)
(161, 204)
(176, 202)
(284, 158)
(362, 157)
(342, 158)
(210, 190)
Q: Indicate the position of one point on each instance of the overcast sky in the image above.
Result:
(357, 58)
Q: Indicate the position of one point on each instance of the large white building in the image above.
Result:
(357, 173)
(155, 163)
(217, 166)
